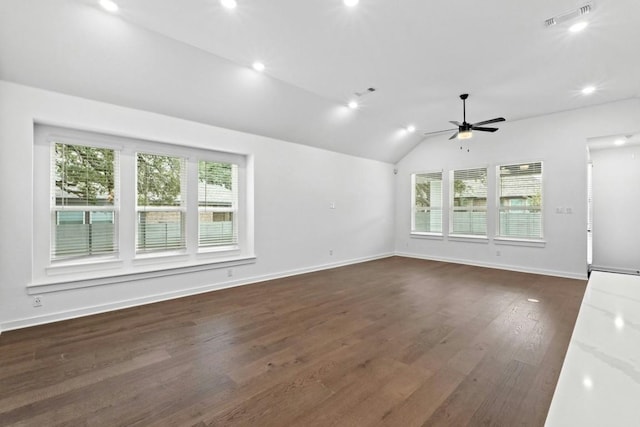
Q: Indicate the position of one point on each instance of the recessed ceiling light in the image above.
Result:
(229, 4)
(411, 128)
(620, 141)
(579, 26)
(588, 90)
(109, 5)
(619, 322)
(350, 3)
(353, 105)
(258, 66)
(587, 382)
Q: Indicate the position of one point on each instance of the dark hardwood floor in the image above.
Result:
(394, 342)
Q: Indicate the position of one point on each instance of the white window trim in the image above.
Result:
(130, 265)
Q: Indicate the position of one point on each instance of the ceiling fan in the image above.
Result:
(465, 130)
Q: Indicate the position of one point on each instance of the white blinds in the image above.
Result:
(84, 195)
(217, 204)
(427, 202)
(469, 204)
(161, 202)
(520, 195)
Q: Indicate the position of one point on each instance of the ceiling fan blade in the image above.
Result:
(486, 122)
(481, 129)
(455, 135)
(437, 131)
(453, 122)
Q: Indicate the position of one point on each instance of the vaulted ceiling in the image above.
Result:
(192, 59)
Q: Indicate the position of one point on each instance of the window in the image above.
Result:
(520, 198)
(469, 202)
(217, 204)
(427, 203)
(161, 202)
(84, 194)
(108, 206)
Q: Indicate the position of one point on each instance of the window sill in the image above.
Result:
(532, 243)
(468, 238)
(82, 266)
(424, 235)
(47, 286)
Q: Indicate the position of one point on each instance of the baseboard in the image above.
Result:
(607, 269)
(520, 269)
(97, 309)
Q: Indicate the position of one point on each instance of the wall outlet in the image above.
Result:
(230, 272)
(498, 253)
(330, 252)
(37, 301)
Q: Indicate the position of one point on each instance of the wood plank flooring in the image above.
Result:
(393, 342)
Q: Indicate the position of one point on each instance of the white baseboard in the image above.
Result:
(520, 269)
(134, 302)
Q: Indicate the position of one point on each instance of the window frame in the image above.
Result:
(464, 236)
(504, 239)
(414, 208)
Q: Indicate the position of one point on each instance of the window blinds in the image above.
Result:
(217, 204)
(520, 195)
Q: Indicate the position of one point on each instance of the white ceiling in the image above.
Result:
(191, 59)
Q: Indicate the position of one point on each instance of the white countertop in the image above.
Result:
(599, 384)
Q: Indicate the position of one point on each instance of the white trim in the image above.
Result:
(510, 241)
(63, 285)
(468, 238)
(544, 272)
(72, 314)
(617, 270)
(425, 235)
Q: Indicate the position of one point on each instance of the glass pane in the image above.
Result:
(523, 223)
(75, 233)
(428, 220)
(159, 180)
(469, 221)
(216, 228)
(84, 176)
(159, 230)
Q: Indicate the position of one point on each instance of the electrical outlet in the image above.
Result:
(330, 252)
(230, 272)
(498, 253)
(37, 301)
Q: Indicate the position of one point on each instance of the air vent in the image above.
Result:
(569, 15)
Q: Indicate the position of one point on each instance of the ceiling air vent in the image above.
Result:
(569, 15)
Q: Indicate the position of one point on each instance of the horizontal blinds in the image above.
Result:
(427, 196)
(469, 207)
(217, 204)
(84, 198)
(161, 202)
(520, 195)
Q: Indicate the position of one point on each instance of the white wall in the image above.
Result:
(293, 185)
(559, 140)
(616, 208)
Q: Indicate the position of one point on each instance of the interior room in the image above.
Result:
(329, 212)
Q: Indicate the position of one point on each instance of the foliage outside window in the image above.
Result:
(520, 196)
(469, 202)
(217, 204)
(161, 202)
(427, 203)
(84, 201)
